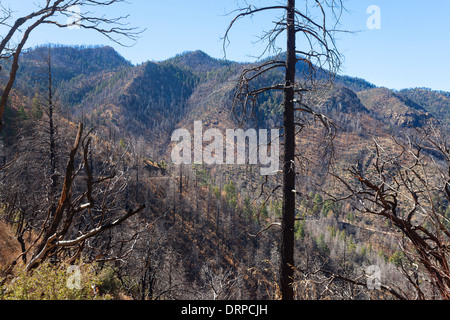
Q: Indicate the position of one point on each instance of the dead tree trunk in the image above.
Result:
(321, 56)
(288, 218)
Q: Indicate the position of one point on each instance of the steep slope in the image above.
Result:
(99, 86)
(9, 246)
(435, 102)
(394, 108)
(157, 95)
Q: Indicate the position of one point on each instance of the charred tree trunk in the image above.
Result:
(288, 219)
(321, 54)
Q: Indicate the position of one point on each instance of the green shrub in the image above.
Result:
(321, 244)
(300, 230)
(397, 258)
(109, 283)
(49, 282)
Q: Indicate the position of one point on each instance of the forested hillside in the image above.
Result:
(206, 232)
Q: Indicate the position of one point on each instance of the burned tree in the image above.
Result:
(320, 61)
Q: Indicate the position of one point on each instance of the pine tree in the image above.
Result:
(36, 108)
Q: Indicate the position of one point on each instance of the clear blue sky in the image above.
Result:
(412, 48)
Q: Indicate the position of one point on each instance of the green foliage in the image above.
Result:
(327, 207)
(203, 177)
(158, 92)
(217, 192)
(318, 199)
(356, 84)
(109, 282)
(49, 282)
(122, 144)
(36, 108)
(363, 251)
(447, 212)
(264, 212)
(248, 207)
(332, 230)
(351, 216)
(22, 114)
(231, 194)
(320, 242)
(351, 245)
(381, 254)
(447, 216)
(397, 258)
(304, 203)
(278, 207)
(199, 63)
(300, 230)
(162, 164)
(342, 236)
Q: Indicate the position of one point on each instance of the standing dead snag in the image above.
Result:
(318, 53)
(53, 12)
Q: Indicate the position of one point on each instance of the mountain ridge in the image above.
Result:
(153, 98)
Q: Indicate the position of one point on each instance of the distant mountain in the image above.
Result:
(70, 62)
(153, 98)
(197, 62)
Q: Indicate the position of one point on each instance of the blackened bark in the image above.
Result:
(288, 219)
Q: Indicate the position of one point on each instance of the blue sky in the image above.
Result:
(411, 49)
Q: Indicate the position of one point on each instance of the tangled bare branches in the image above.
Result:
(87, 207)
(410, 188)
(319, 59)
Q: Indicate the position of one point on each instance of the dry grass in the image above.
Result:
(9, 247)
